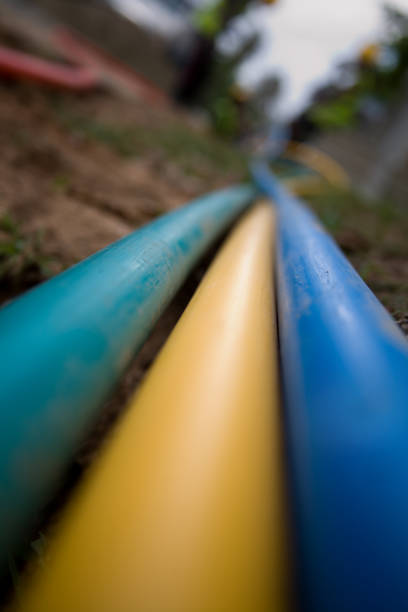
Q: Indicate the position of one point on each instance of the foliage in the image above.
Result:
(213, 18)
(231, 115)
(376, 78)
(218, 96)
(335, 114)
(22, 259)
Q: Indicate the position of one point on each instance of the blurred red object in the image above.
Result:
(23, 65)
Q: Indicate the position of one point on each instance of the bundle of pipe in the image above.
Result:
(185, 510)
(194, 526)
(65, 343)
(345, 375)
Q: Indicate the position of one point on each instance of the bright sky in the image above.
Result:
(305, 39)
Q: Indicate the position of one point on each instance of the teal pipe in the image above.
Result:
(65, 343)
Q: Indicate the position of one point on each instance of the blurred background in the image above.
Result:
(113, 112)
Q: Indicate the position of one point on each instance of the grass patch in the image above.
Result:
(197, 153)
(22, 259)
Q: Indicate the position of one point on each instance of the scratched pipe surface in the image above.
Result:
(184, 511)
(65, 343)
(345, 372)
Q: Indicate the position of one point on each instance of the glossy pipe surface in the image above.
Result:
(65, 343)
(345, 373)
(184, 511)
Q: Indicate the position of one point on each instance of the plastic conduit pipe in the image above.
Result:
(345, 374)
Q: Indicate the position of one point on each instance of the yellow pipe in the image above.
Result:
(318, 161)
(184, 511)
(305, 185)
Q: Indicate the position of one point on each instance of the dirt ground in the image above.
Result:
(79, 173)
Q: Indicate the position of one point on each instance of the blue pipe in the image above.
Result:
(65, 343)
(345, 377)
